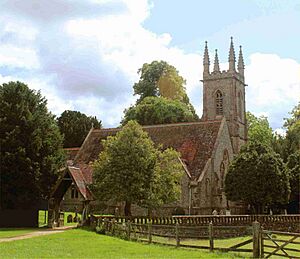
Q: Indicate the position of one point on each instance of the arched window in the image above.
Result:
(219, 103)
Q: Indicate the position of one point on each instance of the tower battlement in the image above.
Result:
(233, 71)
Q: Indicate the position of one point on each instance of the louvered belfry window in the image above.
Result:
(219, 103)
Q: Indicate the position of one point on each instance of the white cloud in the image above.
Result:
(84, 55)
(274, 86)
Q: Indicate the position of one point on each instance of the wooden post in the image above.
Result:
(177, 235)
(150, 232)
(261, 243)
(256, 241)
(113, 226)
(128, 229)
(211, 236)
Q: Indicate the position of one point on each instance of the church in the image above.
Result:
(206, 148)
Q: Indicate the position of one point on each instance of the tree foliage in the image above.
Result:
(159, 110)
(293, 164)
(130, 169)
(259, 129)
(31, 146)
(258, 177)
(161, 79)
(75, 126)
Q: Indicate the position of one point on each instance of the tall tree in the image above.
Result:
(127, 169)
(259, 129)
(31, 147)
(75, 126)
(161, 79)
(258, 177)
(293, 164)
(159, 110)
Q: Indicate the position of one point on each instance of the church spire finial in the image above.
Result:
(216, 62)
(241, 65)
(231, 58)
(206, 62)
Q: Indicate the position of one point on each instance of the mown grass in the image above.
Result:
(79, 243)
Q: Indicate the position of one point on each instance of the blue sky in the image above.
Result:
(84, 55)
(261, 26)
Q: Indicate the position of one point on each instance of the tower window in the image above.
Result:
(219, 103)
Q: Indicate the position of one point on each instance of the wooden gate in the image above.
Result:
(284, 244)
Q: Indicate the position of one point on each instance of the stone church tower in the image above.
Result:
(224, 95)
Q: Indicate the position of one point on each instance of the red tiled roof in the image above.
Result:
(80, 182)
(71, 152)
(195, 141)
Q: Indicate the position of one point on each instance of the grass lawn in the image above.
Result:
(79, 243)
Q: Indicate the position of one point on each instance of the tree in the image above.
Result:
(159, 110)
(257, 176)
(259, 129)
(165, 188)
(129, 169)
(293, 164)
(75, 126)
(290, 143)
(161, 79)
(31, 147)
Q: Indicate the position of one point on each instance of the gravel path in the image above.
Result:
(36, 234)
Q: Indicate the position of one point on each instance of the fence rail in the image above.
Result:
(278, 245)
(172, 235)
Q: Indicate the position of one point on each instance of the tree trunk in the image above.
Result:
(127, 209)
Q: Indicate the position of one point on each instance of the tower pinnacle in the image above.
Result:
(231, 58)
(216, 63)
(206, 62)
(241, 65)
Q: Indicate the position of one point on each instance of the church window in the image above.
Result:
(219, 103)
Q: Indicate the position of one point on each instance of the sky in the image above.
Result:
(84, 55)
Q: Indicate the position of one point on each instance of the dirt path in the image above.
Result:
(36, 234)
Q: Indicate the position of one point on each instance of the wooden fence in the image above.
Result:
(178, 232)
(280, 244)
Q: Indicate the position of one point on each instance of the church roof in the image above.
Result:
(71, 153)
(81, 182)
(195, 141)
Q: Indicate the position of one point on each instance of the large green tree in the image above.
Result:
(159, 110)
(161, 79)
(259, 129)
(293, 164)
(290, 143)
(75, 126)
(130, 169)
(31, 147)
(258, 177)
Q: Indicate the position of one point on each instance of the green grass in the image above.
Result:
(13, 232)
(79, 243)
